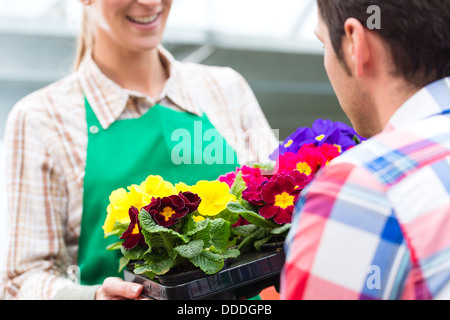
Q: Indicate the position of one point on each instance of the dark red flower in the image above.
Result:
(301, 179)
(168, 210)
(133, 235)
(191, 200)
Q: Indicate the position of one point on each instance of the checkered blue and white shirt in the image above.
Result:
(376, 223)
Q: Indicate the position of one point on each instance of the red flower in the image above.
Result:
(252, 194)
(280, 195)
(241, 222)
(168, 210)
(308, 160)
(329, 151)
(133, 235)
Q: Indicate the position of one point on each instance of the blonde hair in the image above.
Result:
(85, 38)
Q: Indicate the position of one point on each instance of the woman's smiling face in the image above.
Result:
(136, 25)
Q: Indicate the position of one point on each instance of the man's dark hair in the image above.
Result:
(416, 31)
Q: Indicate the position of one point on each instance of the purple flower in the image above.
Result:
(294, 142)
(322, 131)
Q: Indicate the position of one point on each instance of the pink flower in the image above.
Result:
(250, 175)
(228, 178)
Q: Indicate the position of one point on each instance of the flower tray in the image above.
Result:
(246, 277)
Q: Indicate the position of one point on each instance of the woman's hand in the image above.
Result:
(118, 289)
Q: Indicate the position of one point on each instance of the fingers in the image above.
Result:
(116, 288)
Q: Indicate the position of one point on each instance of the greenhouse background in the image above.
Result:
(272, 44)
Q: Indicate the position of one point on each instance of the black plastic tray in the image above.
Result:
(246, 277)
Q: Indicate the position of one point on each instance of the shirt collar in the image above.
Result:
(108, 100)
(431, 100)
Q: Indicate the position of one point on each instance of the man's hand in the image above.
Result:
(118, 289)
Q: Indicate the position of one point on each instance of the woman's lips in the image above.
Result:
(144, 22)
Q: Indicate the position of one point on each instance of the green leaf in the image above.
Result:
(283, 229)
(137, 253)
(115, 246)
(123, 262)
(231, 253)
(251, 216)
(157, 262)
(203, 233)
(245, 230)
(248, 243)
(227, 215)
(248, 206)
(220, 233)
(208, 261)
(356, 139)
(265, 166)
(158, 267)
(232, 241)
(259, 243)
(157, 236)
(190, 250)
(191, 227)
(238, 185)
(118, 229)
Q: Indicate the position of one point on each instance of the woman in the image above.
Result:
(109, 125)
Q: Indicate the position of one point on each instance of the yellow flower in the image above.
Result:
(182, 187)
(215, 196)
(198, 218)
(304, 167)
(120, 201)
(154, 187)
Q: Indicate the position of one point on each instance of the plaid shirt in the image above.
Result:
(376, 223)
(45, 147)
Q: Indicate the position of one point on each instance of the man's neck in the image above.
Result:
(389, 96)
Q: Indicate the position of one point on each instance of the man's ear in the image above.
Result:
(355, 46)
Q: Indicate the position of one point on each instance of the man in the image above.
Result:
(376, 223)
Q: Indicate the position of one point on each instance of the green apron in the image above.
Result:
(125, 154)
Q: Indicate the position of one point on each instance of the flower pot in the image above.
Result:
(245, 277)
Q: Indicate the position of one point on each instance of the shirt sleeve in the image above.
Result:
(36, 257)
(345, 241)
